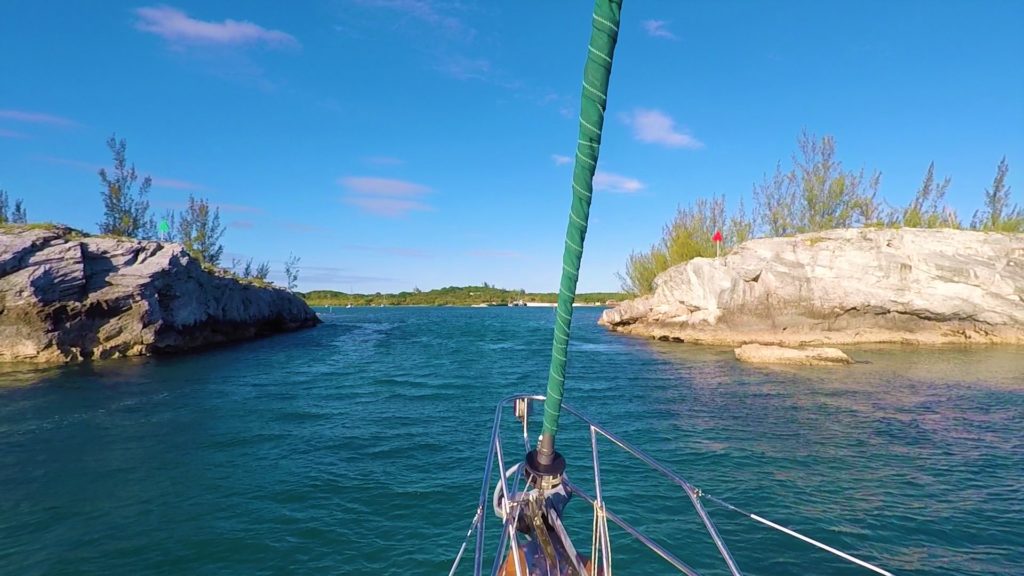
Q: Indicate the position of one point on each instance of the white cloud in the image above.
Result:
(430, 12)
(616, 183)
(389, 207)
(508, 254)
(176, 26)
(656, 127)
(560, 160)
(35, 118)
(383, 160)
(658, 29)
(176, 184)
(382, 187)
(384, 196)
(463, 68)
(11, 134)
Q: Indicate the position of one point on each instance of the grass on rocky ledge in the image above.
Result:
(9, 227)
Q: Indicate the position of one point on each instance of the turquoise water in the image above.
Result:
(357, 448)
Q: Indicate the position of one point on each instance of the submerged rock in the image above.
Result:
(64, 297)
(761, 354)
(841, 286)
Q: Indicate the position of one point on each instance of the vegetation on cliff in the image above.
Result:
(813, 194)
(125, 208)
(127, 215)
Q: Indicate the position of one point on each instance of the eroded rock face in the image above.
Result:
(761, 354)
(66, 299)
(842, 286)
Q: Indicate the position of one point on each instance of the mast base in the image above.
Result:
(545, 476)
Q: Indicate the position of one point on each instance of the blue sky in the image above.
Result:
(402, 143)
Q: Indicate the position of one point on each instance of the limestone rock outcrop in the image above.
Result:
(761, 354)
(841, 286)
(65, 297)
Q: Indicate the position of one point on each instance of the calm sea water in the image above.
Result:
(357, 448)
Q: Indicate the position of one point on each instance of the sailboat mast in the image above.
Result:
(596, 73)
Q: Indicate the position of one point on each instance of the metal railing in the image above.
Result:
(509, 547)
(600, 543)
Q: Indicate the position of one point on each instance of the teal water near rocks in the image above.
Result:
(357, 447)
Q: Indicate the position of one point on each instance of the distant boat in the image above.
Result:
(517, 303)
(348, 306)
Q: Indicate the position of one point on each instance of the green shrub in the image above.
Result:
(998, 215)
(689, 235)
(814, 194)
(927, 209)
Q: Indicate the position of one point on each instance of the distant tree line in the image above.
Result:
(814, 193)
(449, 296)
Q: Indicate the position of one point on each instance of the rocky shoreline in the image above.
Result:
(66, 297)
(850, 286)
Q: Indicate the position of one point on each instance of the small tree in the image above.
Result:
(998, 215)
(262, 271)
(873, 212)
(830, 197)
(816, 193)
(125, 212)
(247, 272)
(775, 209)
(200, 231)
(740, 227)
(19, 216)
(168, 227)
(291, 271)
(927, 210)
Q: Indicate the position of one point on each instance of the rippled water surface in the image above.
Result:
(357, 448)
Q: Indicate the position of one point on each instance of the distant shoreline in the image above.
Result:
(480, 296)
(528, 305)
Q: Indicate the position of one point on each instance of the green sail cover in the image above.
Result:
(595, 98)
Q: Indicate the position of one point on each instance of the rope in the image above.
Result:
(795, 534)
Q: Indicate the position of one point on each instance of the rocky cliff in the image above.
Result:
(64, 297)
(841, 286)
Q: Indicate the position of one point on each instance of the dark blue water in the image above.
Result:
(357, 448)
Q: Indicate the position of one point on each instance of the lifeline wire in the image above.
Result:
(795, 534)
